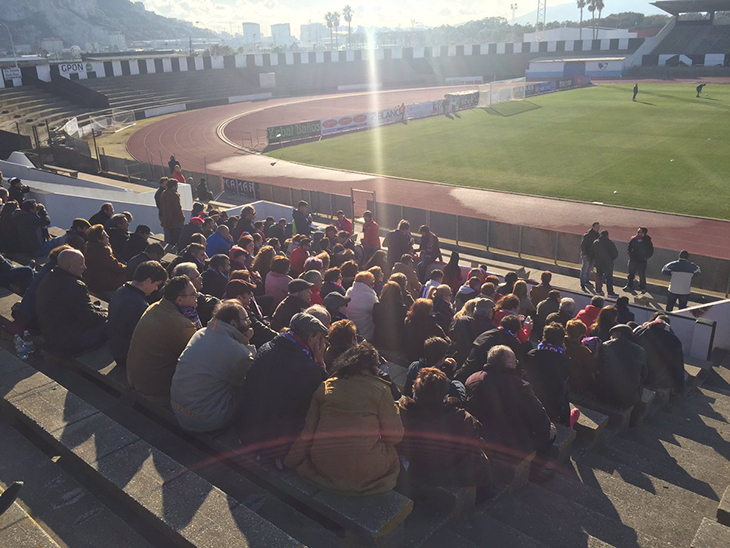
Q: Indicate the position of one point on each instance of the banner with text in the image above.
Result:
(388, 116)
(246, 189)
(75, 68)
(294, 132)
(462, 100)
(12, 74)
(344, 123)
(424, 110)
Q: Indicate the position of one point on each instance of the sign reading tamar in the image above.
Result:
(247, 189)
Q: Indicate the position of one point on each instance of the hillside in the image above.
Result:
(81, 21)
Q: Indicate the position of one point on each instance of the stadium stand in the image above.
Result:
(696, 39)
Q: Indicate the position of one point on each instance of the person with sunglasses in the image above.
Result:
(210, 372)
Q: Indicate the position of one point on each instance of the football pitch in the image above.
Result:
(669, 151)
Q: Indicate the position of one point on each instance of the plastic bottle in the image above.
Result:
(29, 345)
(20, 348)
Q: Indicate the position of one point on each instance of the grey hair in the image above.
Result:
(185, 269)
(321, 313)
(501, 355)
(567, 305)
(312, 276)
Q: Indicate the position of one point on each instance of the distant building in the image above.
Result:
(118, 42)
(313, 34)
(51, 45)
(251, 33)
(281, 34)
(574, 33)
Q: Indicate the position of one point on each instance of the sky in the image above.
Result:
(226, 14)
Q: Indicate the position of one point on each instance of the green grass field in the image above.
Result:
(669, 151)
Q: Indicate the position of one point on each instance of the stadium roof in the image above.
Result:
(675, 7)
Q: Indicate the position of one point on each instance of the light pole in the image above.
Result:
(513, 7)
(12, 46)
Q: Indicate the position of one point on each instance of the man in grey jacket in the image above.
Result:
(211, 370)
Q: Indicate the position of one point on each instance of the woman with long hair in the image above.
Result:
(452, 273)
(520, 291)
(277, 280)
(420, 325)
(607, 318)
(348, 442)
(402, 282)
(379, 258)
(388, 316)
(442, 308)
(104, 273)
(263, 260)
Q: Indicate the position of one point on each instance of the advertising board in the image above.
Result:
(388, 116)
(246, 189)
(294, 132)
(75, 68)
(331, 126)
(424, 110)
(12, 74)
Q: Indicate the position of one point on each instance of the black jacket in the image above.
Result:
(621, 371)
(416, 334)
(117, 240)
(478, 355)
(398, 244)
(135, 245)
(664, 357)
(443, 445)
(302, 222)
(464, 332)
(276, 396)
(640, 250)
(244, 225)
(125, 309)
(286, 310)
(29, 230)
(214, 283)
(586, 242)
(547, 372)
(604, 252)
(186, 235)
(514, 420)
(65, 310)
(99, 218)
(390, 331)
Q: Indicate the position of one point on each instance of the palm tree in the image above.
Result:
(330, 22)
(592, 9)
(336, 24)
(347, 14)
(581, 5)
(599, 6)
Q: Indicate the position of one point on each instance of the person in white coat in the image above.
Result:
(360, 308)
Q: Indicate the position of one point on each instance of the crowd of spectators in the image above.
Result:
(285, 332)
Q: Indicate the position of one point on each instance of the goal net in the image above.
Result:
(502, 91)
(109, 122)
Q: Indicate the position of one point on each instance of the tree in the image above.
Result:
(599, 7)
(330, 22)
(581, 5)
(347, 14)
(592, 9)
(336, 24)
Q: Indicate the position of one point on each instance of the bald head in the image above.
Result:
(72, 261)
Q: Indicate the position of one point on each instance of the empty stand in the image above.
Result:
(696, 39)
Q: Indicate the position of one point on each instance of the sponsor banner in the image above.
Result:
(12, 74)
(539, 88)
(294, 132)
(169, 109)
(246, 189)
(388, 116)
(75, 68)
(344, 123)
(424, 110)
(462, 100)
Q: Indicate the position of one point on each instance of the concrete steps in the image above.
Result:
(617, 499)
(482, 529)
(64, 508)
(19, 530)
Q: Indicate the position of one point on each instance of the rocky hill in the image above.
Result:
(81, 21)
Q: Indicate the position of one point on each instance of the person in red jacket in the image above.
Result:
(300, 255)
(370, 236)
(343, 223)
(589, 314)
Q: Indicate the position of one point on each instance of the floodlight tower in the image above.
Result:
(514, 8)
(540, 25)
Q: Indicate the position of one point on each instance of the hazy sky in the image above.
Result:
(222, 14)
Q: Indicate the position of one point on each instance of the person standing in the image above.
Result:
(604, 254)
(370, 236)
(636, 91)
(586, 254)
(680, 272)
(429, 251)
(399, 242)
(172, 217)
(343, 223)
(302, 220)
(640, 251)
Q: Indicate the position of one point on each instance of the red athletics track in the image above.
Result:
(209, 134)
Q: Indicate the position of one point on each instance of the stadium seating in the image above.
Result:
(29, 106)
(696, 39)
(144, 91)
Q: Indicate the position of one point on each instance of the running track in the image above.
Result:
(207, 135)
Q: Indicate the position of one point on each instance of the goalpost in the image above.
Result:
(502, 91)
